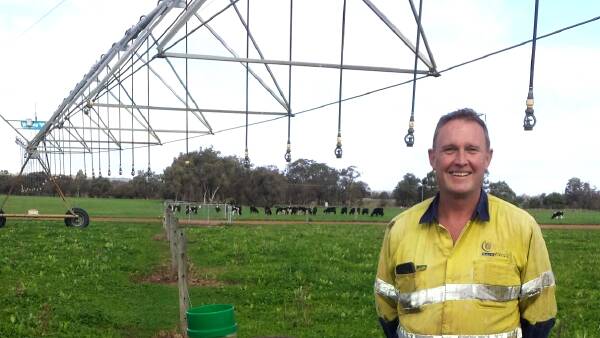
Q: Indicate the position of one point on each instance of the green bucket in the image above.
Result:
(211, 321)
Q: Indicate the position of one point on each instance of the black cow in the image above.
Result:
(558, 214)
(329, 210)
(253, 210)
(352, 211)
(344, 211)
(268, 211)
(314, 210)
(218, 208)
(377, 212)
(365, 211)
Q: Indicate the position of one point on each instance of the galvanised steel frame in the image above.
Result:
(82, 122)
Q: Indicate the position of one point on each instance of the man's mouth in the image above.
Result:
(460, 173)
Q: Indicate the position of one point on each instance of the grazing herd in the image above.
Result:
(301, 210)
(279, 210)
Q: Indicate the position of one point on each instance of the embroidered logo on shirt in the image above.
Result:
(487, 250)
(486, 246)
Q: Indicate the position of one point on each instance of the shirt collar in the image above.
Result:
(481, 211)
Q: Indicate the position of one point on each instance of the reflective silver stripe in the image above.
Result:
(536, 285)
(447, 292)
(497, 293)
(516, 333)
(386, 290)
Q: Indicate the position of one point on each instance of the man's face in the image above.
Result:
(460, 158)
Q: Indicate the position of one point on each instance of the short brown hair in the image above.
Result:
(466, 114)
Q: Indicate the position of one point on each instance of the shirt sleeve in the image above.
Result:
(537, 303)
(386, 298)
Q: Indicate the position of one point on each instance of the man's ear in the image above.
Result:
(490, 155)
(431, 154)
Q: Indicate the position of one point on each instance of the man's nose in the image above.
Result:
(461, 158)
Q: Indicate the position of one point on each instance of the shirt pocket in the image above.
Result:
(406, 285)
(496, 272)
(406, 282)
(499, 282)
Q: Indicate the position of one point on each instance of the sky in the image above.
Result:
(47, 46)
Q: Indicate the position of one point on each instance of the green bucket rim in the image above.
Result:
(224, 308)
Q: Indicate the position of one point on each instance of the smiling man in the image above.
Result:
(465, 263)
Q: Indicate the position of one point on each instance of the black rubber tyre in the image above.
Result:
(82, 220)
(2, 219)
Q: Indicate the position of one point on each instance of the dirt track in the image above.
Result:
(258, 222)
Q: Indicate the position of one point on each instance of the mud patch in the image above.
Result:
(159, 237)
(197, 277)
(168, 334)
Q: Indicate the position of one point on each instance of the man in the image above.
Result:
(465, 263)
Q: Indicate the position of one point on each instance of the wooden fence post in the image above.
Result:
(182, 275)
(171, 224)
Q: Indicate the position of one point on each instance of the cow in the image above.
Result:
(329, 210)
(236, 209)
(304, 210)
(344, 211)
(314, 210)
(218, 208)
(377, 212)
(365, 211)
(281, 211)
(558, 214)
(352, 211)
(253, 210)
(191, 209)
(268, 211)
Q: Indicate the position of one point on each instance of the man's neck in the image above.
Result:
(455, 212)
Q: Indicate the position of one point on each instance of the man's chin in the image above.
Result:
(462, 193)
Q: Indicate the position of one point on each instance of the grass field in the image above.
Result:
(110, 207)
(302, 280)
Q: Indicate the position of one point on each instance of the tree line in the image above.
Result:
(577, 194)
(207, 176)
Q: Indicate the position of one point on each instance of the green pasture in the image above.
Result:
(111, 207)
(300, 280)
(99, 207)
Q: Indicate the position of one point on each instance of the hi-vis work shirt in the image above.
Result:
(495, 281)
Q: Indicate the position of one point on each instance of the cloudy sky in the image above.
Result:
(47, 46)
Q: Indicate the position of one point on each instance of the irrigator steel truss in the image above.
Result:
(128, 98)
